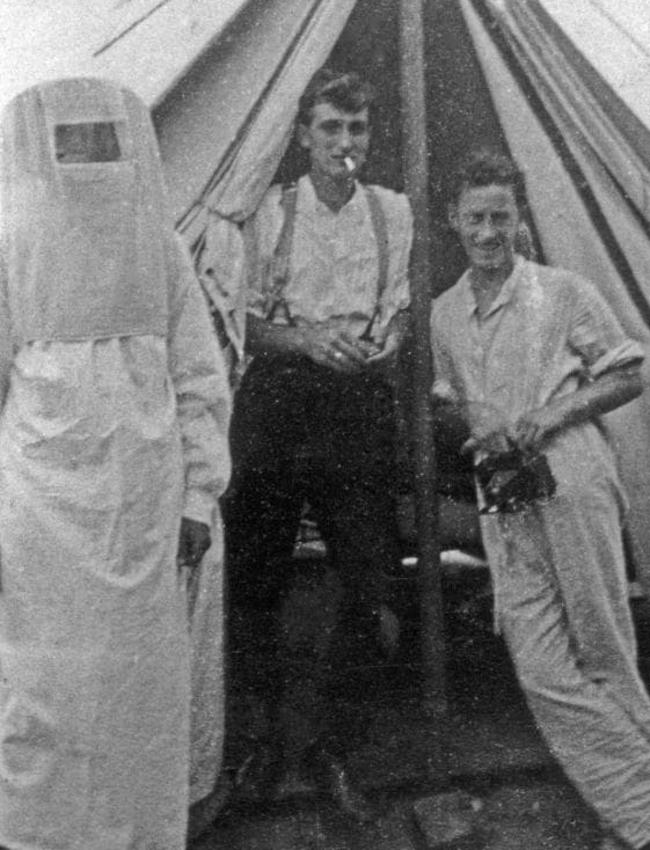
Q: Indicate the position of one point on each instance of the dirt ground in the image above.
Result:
(478, 777)
(524, 812)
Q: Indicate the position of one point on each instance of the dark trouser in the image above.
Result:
(299, 433)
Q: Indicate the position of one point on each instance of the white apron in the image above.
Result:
(94, 708)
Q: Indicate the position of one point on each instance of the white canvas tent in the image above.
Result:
(562, 85)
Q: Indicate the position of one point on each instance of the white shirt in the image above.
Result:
(334, 263)
(547, 332)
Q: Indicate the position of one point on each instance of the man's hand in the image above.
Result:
(535, 427)
(386, 354)
(334, 349)
(325, 344)
(489, 430)
(387, 351)
(194, 542)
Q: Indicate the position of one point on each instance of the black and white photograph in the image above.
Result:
(325, 425)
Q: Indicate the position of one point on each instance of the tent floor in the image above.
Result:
(523, 810)
(486, 745)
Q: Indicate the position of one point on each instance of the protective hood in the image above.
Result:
(85, 222)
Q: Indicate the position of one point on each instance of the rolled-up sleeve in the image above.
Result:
(597, 335)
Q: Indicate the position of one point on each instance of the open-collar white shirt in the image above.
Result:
(334, 260)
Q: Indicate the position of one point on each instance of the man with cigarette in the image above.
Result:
(327, 310)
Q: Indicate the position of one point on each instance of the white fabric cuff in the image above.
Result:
(199, 507)
(623, 355)
(443, 391)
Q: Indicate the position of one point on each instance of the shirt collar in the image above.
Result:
(506, 293)
(311, 204)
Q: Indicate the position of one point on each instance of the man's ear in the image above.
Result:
(302, 134)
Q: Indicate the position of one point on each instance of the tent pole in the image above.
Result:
(416, 178)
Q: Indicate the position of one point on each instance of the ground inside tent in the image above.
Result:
(480, 775)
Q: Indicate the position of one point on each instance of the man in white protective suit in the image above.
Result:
(113, 412)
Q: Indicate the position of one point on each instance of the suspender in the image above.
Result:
(279, 272)
(380, 228)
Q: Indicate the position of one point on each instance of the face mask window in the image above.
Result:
(86, 143)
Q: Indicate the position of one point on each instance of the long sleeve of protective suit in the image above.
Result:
(202, 394)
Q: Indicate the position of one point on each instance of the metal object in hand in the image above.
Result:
(512, 481)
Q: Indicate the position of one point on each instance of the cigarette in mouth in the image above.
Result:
(349, 164)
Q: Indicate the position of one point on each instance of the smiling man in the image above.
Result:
(530, 357)
(327, 301)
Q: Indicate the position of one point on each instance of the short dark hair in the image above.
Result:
(346, 91)
(486, 167)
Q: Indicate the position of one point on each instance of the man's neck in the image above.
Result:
(486, 284)
(333, 192)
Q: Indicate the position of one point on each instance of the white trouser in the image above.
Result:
(562, 607)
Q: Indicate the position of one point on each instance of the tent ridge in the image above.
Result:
(130, 28)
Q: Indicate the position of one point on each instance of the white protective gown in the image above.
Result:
(112, 426)
(205, 585)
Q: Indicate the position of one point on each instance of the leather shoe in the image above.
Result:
(332, 777)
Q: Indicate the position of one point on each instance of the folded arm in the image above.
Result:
(610, 390)
(323, 344)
